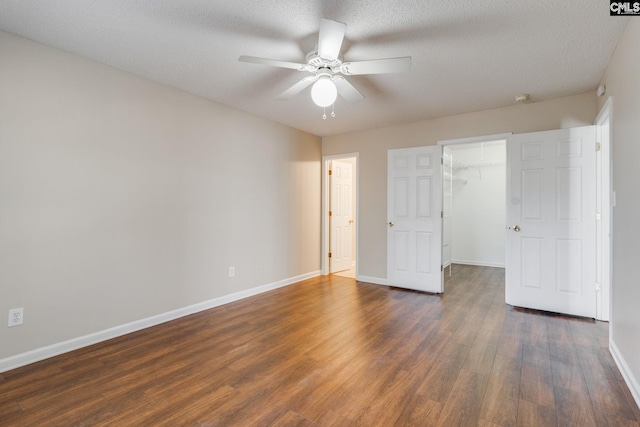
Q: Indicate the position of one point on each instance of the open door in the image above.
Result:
(414, 228)
(551, 218)
(340, 215)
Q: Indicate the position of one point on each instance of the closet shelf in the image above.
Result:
(484, 164)
(454, 178)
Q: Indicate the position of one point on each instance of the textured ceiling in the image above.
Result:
(468, 55)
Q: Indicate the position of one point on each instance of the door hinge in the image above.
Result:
(442, 160)
(330, 172)
(598, 216)
(598, 146)
(330, 213)
(441, 267)
(441, 214)
(329, 254)
(598, 287)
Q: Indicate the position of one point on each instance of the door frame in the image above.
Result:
(604, 183)
(473, 140)
(324, 254)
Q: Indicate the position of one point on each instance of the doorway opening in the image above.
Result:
(340, 215)
(474, 203)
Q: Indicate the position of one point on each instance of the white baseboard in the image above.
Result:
(374, 280)
(42, 353)
(478, 263)
(628, 376)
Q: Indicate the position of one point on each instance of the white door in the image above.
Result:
(414, 230)
(340, 215)
(551, 217)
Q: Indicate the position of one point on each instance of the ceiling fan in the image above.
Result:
(327, 68)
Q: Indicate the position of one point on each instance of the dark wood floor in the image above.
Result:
(333, 352)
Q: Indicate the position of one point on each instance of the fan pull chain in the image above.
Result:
(333, 111)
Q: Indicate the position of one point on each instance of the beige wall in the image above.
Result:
(121, 198)
(621, 79)
(372, 145)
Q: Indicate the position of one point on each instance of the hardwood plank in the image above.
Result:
(326, 392)
(463, 405)
(511, 340)
(533, 415)
(383, 401)
(613, 420)
(630, 400)
(536, 379)
(586, 335)
(500, 402)
(420, 411)
(444, 373)
(331, 419)
(291, 419)
(561, 346)
(480, 357)
(606, 395)
(568, 376)
(572, 408)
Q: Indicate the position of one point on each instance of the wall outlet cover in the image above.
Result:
(16, 317)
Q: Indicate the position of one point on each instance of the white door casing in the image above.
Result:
(414, 229)
(551, 216)
(603, 205)
(341, 215)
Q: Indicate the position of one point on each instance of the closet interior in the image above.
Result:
(474, 205)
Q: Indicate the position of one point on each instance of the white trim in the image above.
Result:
(42, 353)
(373, 280)
(486, 138)
(604, 178)
(605, 111)
(324, 265)
(631, 381)
(478, 263)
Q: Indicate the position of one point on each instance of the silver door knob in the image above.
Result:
(516, 228)
(390, 224)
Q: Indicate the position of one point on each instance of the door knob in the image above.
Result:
(516, 228)
(390, 224)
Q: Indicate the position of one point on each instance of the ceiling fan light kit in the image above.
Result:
(324, 91)
(326, 65)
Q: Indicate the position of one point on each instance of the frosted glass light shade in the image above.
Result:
(324, 92)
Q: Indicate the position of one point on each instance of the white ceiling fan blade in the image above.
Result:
(330, 39)
(273, 62)
(296, 88)
(347, 91)
(377, 66)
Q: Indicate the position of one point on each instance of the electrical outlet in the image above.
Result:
(232, 271)
(16, 316)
